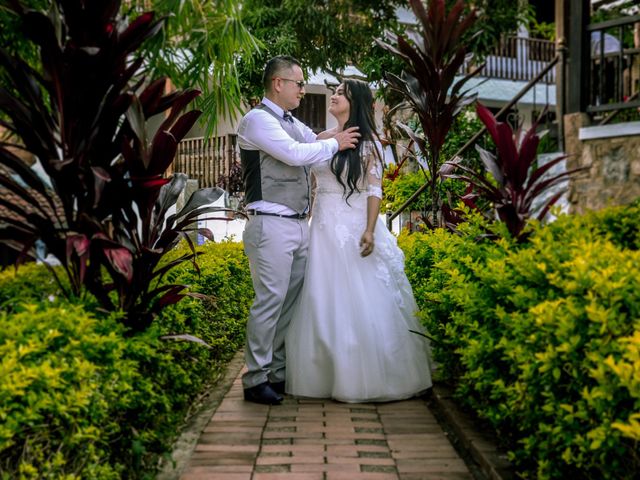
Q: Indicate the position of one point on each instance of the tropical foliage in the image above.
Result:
(398, 187)
(204, 39)
(198, 47)
(516, 184)
(102, 206)
(330, 36)
(432, 57)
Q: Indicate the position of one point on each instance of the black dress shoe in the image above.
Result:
(262, 393)
(278, 387)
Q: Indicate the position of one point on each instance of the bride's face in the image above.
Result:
(339, 106)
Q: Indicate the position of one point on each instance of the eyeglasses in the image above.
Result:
(299, 83)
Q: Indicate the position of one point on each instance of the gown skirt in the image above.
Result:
(350, 335)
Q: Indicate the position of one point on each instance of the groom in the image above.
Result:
(275, 150)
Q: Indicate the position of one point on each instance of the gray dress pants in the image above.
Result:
(277, 251)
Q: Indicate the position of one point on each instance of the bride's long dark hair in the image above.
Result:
(360, 99)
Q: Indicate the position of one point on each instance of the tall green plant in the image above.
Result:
(102, 208)
(433, 56)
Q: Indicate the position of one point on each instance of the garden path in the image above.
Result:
(322, 440)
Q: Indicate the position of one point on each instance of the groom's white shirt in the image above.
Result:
(259, 130)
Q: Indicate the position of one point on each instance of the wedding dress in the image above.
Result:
(349, 338)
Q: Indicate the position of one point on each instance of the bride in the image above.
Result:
(349, 338)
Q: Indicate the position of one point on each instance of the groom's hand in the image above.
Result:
(347, 138)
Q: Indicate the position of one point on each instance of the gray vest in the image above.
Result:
(267, 178)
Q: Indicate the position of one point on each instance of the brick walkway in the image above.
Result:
(323, 440)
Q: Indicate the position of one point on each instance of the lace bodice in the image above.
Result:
(369, 184)
(330, 207)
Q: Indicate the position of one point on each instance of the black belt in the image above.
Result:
(296, 216)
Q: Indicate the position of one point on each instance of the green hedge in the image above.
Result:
(82, 399)
(30, 283)
(542, 339)
(220, 319)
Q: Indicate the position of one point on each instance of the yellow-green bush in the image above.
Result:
(80, 398)
(539, 338)
(31, 282)
(220, 319)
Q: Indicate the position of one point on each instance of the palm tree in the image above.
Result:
(202, 43)
(198, 48)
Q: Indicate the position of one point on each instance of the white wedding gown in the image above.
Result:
(349, 337)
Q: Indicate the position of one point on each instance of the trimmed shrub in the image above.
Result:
(218, 320)
(81, 398)
(61, 371)
(31, 282)
(539, 338)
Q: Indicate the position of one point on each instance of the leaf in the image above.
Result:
(168, 196)
(184, 124)
(151, 97)
(11, 161)
(78, 244)
(489, 161)
(163, 151)
(540, 171)
(197, 214)
(171, 296)
(507, 153)
(550, 203)
(121, 260)
(205, 232)
(525, 156)
(419, 141)
(101, 177)
(135, 117)
(489, 121)
(181, 100)
(138, 31)
(159, 273)
(199, 198)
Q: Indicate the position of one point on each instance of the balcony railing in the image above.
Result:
(206, 160)
(520, 58)
(614, 69)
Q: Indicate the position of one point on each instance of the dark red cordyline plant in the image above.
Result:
(102, 205)
(433, 57)
(516, 184)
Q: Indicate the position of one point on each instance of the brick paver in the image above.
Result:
(305, 439)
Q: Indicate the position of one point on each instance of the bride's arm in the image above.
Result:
(373, 173)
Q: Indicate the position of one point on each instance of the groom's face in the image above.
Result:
(289, 91)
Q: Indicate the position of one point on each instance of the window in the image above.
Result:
(313, 111)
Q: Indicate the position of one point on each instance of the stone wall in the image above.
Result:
(612, 168)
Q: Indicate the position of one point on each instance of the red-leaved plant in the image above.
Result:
(433, 57)
(516, 184)
(101, 207)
